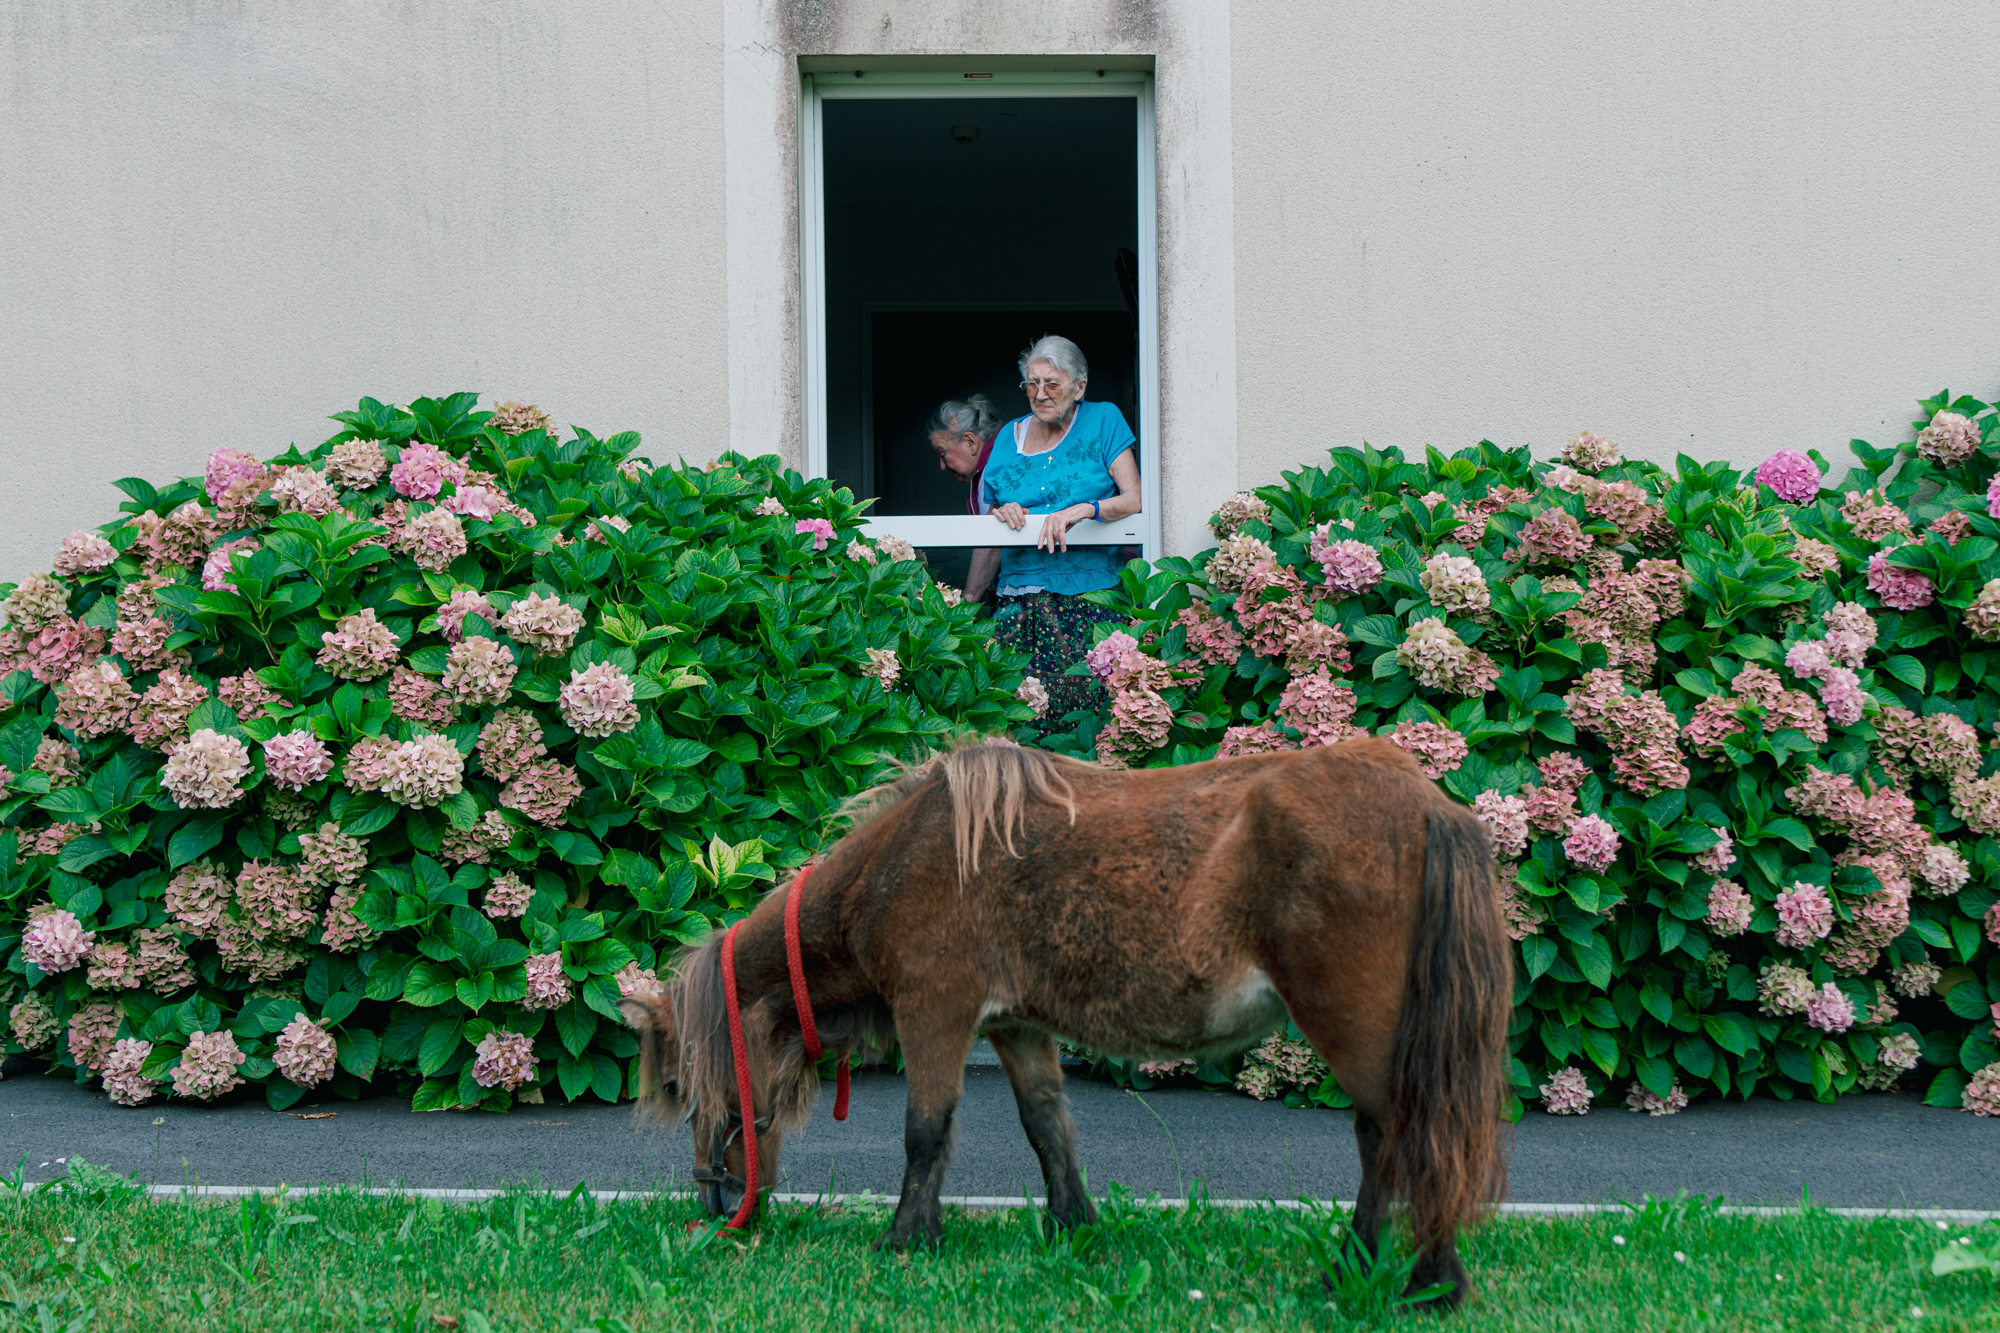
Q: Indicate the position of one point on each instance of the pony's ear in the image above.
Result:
(648, 1013)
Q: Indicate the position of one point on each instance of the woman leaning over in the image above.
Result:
(1066, 461)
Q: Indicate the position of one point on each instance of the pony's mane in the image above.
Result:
(991, 782)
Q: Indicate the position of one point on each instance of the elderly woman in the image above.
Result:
(1066, 461)
(962, 438)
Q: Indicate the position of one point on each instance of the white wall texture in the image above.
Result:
(225, 220)
(1708, 227)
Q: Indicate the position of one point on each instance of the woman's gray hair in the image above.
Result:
(1059, 352)
(976, 414)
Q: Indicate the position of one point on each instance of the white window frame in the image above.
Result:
(1141, 529)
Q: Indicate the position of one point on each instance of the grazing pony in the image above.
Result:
(1155, 913)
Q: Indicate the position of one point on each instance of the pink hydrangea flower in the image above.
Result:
(1230, 568)
(1829, 1009)
(1954, 525)
(1455, 585)
(358, 647)
(302, 490)
(634, 980)
(208, 1066)
(482, 503)
(542, 791)
(423, 470)
(1783, 990)
(820, 529)
(503, 1060)
(38, 600)
(1553, 537)
(83, 553)
(215, 571)
(1437, 749)
(1438, 659)
(1814, 557)
(1717, 859)
(296, 760)
(93, 1031)
(418, 698)
(1950, 439)
(544, 623)
(1840, 693)
(462, 603)
(1900, 589)
(247, 696)
(329, 857)
(305, 1054)
(1506, 821)
(203, 771)
(507, 896)
(1641, 1098)
(1592, 843)
(161, 717)
(1320, 708)
(1566, 1093)
(883, 666)
(369, 763)
(1729, 908)
(1233, 513)
(56, 942)
(426, 771)
(197, 897)
(1590, 453)
(33, 1023)
(1944, 870)
(599, 701)
(770, 507)
(1102, 658)
(1805, 916)
(1872, 517)
(479, 671)
(1260, 739)
(1033, 693)
(122, 1081)
(514, 418)
(275, 903)
(510, 742)
(1351, 567)
(356, 464)
(96, 700)
(1792, 476)
(548, 986)
(1982, 1092)
(233, 478)
(433, 539)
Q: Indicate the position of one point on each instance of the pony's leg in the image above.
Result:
(1368, 1201)
(934, 1070)
(1035, 1069)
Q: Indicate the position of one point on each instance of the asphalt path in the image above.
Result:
(1866, 1151)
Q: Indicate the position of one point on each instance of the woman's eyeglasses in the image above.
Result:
(1050, 387)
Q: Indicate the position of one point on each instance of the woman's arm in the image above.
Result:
(1055, 528)
(985, 569)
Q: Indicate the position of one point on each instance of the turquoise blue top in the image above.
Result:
(1076, 471)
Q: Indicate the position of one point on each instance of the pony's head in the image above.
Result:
(688, 1071)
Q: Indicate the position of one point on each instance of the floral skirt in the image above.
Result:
(1054, 631)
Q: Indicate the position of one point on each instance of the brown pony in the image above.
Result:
(1155, 913)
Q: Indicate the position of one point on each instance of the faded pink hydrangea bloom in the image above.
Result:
(1872, 517)
(482, 503)
(635, 981)
(1641, 1098)
(510, 742)
(305, 1054)
(548, 986)
(1229, 569)
(256, 959)
(1033, 693)
(1900, 589)
(122, 1081)
(247, 696)
(1993, 497)
(1351, 567)
(1717, 859)
(1977, 802)
(1950, 439)
(296, 760)
(860, 551)
(302, 490)
(1551, 808)
(1320, 708)
(1139, 723)
(1562, 770)
(819, 529)
(1260, 739)
(489, 833)
(160, 962)
(1992, 922)
(599, 701)
(883, 666)
(356, 464)
(160, 718)
(503, 1060)
(197, 897)
(1310, 643)
(1982, 1092)
(1729, 908)
(275, 902)
(1840, 693)
(203, 771)
(433, 539)
(37, 601)
(1437, 749)
(949, 595)
(1945, 871)
(1954, 525)
(896, 548)
(1566, 1092)
(1233, 513)
(208, 1066)
(424, 772)
(142, 630)
(422, 471)
(344, 932)
(1805, 916)
(542, 791)
(329, 857)
(480, 671)
(1814, 557)
(1590, 453)
(93, 1029)
(1552, 537)
(544, 623)
(769, 507)
(1455, 584)
(462, 603)
(1783, 990)
(370, 762)
(234, 479)
(1592, 843)
(1102, 658)
(83, 553)
(56, 942)
(419, 698)
(514, 418)
(1829, 1009)
(96, 700)
(1522, 912)
(358, 647)
(507, 896)
(112, 967)
(1506, 821)
(1808, 659)
(1792, 476)
(53, 653)
(1438, 659)
(1899, 1051)
(182, 538)
(60, 760)
(33, 1022)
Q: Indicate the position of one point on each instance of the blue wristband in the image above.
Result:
(1093, 510)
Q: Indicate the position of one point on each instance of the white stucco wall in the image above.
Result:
(1714, 228)
(224, 221)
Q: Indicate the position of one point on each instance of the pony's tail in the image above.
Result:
(1441, 1149)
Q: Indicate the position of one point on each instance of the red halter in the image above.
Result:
(808, 1030)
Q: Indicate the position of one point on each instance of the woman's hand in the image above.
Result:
(1012, 515)
(1055, 527)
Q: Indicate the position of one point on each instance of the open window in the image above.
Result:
(946, 222)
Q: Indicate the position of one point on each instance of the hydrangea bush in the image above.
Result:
(1732, 737)
(399, 760)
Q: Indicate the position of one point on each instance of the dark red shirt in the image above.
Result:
(972, 505)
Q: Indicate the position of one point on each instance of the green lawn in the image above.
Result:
(103, 1259)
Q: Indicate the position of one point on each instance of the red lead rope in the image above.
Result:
(794, 964)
